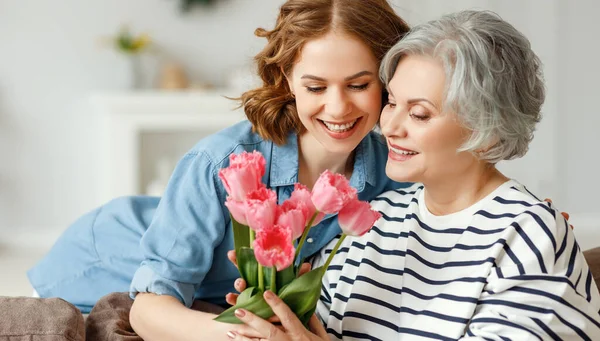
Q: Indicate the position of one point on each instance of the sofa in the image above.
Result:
(54, 319)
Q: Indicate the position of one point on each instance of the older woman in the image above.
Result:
(466, 253)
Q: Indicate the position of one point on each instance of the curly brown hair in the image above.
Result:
(271, 108)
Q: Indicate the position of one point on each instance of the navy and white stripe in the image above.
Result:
(506, 268)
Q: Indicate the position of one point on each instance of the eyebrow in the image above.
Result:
(417, 100)
(414, 100)
(349, 78)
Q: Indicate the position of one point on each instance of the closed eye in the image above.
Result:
(315, 89)
(419, 117)
(359, 87)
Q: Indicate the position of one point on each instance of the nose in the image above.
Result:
(392, 123)
(337, 105)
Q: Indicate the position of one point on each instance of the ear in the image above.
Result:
(492, 143)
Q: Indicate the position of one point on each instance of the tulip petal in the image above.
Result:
(357, 218)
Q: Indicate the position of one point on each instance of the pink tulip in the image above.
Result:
(273, 247)
(254, 159)
(332, 192)
(243, 175)
(302, 197)
(292, 214)
(237, 210)
(261, 208)
(357, 218)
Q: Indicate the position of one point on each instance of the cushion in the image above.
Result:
(592, 257)
(35, 319)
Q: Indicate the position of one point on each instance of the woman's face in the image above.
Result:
(338, 92)
(423, 141)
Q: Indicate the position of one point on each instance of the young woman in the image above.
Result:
(320, 100)
(465, 253)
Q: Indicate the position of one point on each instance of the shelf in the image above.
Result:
(126, 120)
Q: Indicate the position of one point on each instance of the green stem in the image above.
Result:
(333, 252)
(261, 280)
(305, 234)
(274, 280)
(252, 234)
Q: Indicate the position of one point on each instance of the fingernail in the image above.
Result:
(238, 282)
(239, 312)
(268, 295)
(231, 334)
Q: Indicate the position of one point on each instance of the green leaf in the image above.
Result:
(286, 276)
(246, 295)
(306, 317)
(241, 235)
(302, 294)
(255, 304)
(267, 277)
(247, 266)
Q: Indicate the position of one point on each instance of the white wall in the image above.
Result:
(579, 119)
(562, 162)
(50, 62)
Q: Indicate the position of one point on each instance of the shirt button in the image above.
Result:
(309, 240)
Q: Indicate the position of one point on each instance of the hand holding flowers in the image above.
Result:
(265, 234)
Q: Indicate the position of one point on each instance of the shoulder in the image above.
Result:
(515, 201)
(217, 148)
(533, 229)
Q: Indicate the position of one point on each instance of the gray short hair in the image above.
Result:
(494, 79)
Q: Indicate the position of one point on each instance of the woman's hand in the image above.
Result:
(291, 328)
(564, 214)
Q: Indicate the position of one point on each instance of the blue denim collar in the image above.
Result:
(284, 163)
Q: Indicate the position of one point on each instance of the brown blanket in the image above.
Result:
(39, 319)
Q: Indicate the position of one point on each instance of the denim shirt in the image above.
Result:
(186, 245)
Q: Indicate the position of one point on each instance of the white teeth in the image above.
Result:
(338, 128)
(402, 152)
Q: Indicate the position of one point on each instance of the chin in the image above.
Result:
(339, 148)
(345, 146)
(400, 175)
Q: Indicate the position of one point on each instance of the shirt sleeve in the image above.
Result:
(542, 289)
(189, 223)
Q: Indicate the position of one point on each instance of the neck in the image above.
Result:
(313, 160)
(454, 193)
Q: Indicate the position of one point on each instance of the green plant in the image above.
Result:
(186, 5)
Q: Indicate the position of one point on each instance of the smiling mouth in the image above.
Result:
(402, 152)
(340, 128)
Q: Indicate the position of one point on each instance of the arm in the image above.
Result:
(178, 249)
(544, 292)
(155, 317)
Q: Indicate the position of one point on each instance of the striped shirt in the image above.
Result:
(506, 268)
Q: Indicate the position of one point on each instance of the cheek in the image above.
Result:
(384, 119)
(443, 143)
(370, 101)
(306, 106)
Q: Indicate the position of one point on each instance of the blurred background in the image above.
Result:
(100, 98)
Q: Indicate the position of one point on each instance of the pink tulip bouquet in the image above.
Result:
(268, 237)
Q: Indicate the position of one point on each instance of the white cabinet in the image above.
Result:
(139, 129)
